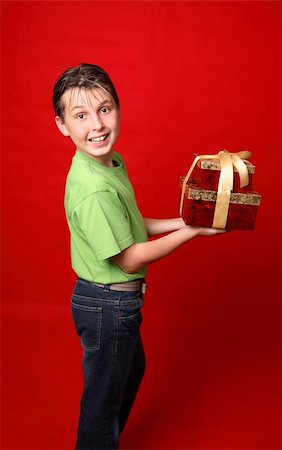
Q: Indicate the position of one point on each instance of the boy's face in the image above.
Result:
(91, 120)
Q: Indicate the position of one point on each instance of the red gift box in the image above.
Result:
(217, 192)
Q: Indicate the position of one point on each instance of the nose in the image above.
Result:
(97, 123)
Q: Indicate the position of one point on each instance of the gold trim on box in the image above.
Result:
(236, 197)
(214, 164)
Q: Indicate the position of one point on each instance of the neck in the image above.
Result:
(105, 160)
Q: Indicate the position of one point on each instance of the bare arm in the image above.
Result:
(137, 256)
(160, 226)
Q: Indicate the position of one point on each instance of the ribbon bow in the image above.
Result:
(227, 161)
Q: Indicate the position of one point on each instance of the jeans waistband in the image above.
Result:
(129, 286)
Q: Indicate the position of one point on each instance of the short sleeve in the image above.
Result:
(104, 224)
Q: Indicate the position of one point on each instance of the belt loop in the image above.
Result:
(144, 287)
(107, 287)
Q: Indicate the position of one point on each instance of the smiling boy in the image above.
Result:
(91, 120)
(109, 251)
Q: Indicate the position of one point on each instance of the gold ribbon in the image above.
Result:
(227, 161)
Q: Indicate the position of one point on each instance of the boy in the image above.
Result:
(109, 251)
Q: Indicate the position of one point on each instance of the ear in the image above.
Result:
(60, 124)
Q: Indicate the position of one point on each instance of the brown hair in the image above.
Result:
(85, 76)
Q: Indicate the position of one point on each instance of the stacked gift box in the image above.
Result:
(218, 192)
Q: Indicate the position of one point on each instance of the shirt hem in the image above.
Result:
(108, 253)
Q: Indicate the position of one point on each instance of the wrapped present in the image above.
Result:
(217, 192)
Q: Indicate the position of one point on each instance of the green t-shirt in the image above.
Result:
(103, 218)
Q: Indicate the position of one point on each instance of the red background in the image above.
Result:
(192, 77)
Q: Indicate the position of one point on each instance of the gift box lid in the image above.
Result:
(238, 198)
(214, 164)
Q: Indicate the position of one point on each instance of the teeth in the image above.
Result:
(101, 138)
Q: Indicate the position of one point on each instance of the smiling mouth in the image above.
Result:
(99, 139)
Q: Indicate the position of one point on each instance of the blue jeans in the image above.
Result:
(113, 362)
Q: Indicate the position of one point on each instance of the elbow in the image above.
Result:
(129, 260)
(130, 268)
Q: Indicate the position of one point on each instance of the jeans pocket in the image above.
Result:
(88, 323)
(130, 317)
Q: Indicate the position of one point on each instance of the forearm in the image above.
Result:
(160, 226)
(137, 256)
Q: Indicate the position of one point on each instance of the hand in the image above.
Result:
(201, 231)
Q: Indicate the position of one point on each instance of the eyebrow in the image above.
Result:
(101, 104)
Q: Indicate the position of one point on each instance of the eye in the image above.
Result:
(81, 116)
(105, 110)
